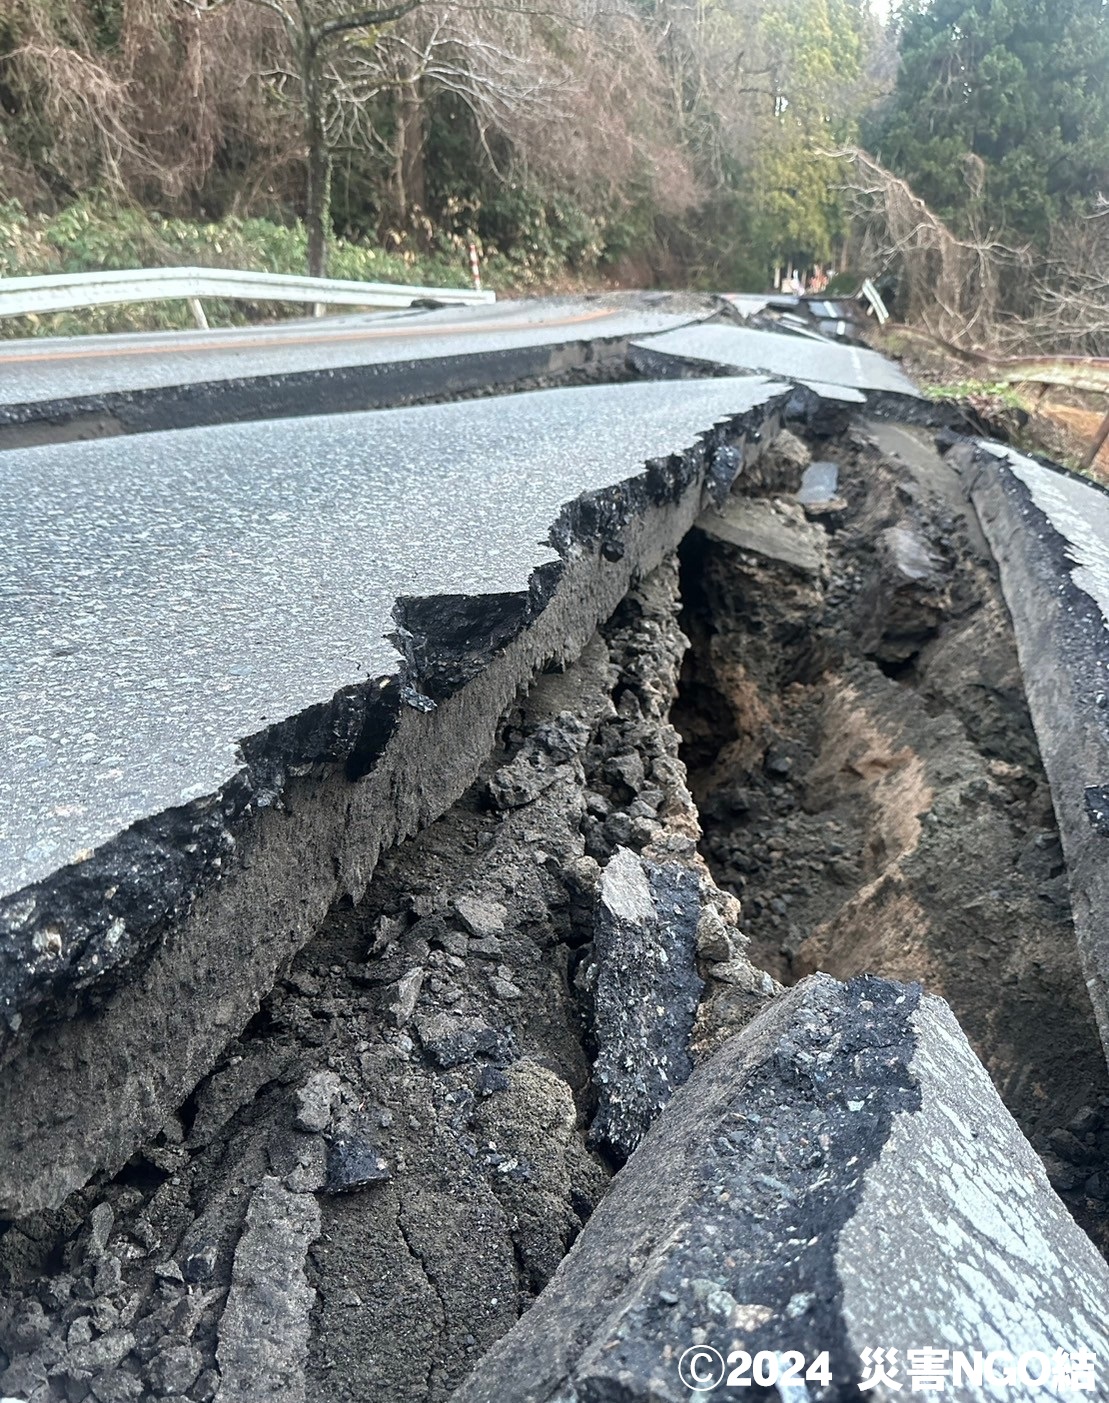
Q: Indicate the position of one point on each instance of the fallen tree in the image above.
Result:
(978, 293)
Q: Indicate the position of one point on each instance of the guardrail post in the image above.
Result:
(1095, 447)
(197, 309)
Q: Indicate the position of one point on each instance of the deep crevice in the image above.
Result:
(850, 725)
(867, 776)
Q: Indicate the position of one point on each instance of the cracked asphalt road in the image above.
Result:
(56, 368)
(164, 598)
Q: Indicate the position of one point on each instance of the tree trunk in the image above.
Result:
(408, 170)
(317, 213)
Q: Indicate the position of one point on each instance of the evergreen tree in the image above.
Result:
(1000, 116)
(816, 50)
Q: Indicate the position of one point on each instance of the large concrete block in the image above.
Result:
(841, 1178)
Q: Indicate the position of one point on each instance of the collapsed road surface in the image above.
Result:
(847, 373)
(200, 621)
(344, 975)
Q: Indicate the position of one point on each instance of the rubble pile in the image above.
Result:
(390, 1164)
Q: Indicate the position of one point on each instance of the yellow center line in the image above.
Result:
(314, 339)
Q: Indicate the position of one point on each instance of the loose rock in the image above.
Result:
(315, 1101)
(645, 994)
(263, 1334)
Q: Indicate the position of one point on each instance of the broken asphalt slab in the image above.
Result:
(1048, 530)
(773, 530)
(846, 373)
(197, 672)
(841, 1177)
(645, 991)
(172, 597)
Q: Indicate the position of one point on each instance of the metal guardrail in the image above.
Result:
(874, 297)
(1074, 372)
(66, 292)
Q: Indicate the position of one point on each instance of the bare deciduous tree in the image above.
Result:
(979, 294)
(480, 57)
(317, 32)
(1073, 311)
(563, 86)
(146, 116)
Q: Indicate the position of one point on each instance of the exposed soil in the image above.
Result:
(867, 775)
(1057, 422)
(1081, 425)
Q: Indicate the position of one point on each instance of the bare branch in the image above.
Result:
(362, 19)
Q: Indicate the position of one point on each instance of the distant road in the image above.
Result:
(35, 371)
(835, 371)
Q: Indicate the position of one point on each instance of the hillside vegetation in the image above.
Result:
(956, 149)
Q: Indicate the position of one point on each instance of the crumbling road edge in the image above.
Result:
(1064, 656)
(92, 1065)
